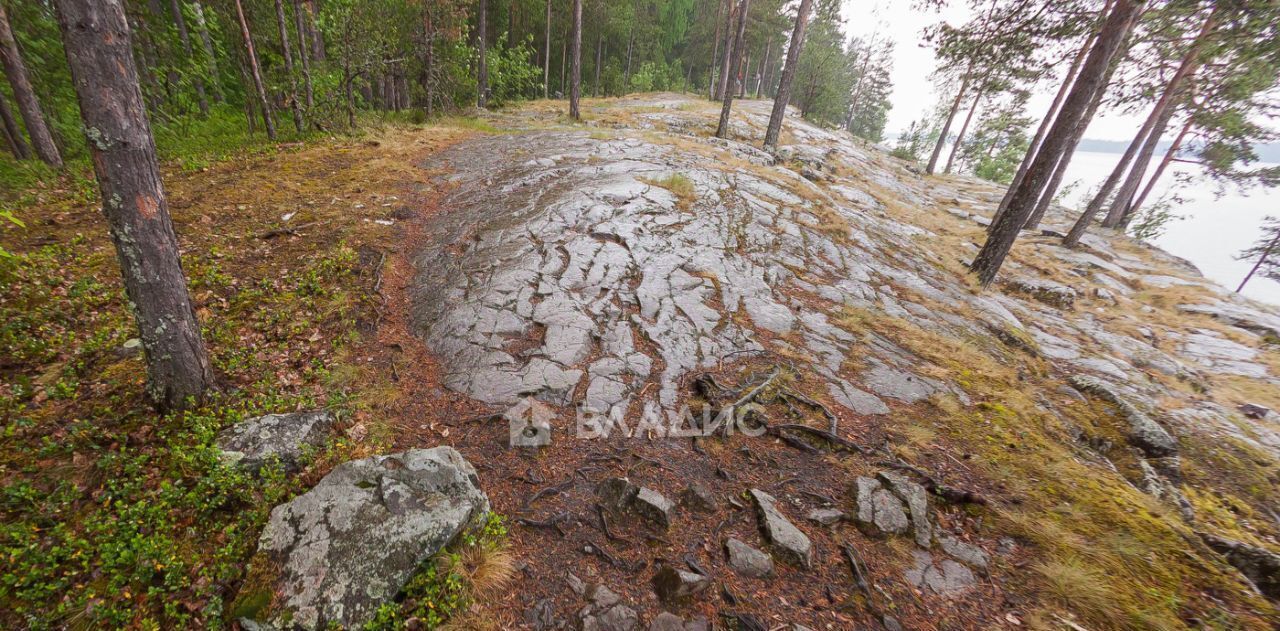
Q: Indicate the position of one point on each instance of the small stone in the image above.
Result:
(575, 584)
(1254, 411)
(602, 596)
(947, 578)
(666, 621)
(616, 494)
(698, 497)
(653, 506)
(673, 585)
(275, 437)
(617, 618)
(826, 516)
(890, 623)
(790, 542)
(747, 560)
(917, 500)
(966, 553)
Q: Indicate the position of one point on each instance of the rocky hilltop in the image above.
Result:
(1087, 443)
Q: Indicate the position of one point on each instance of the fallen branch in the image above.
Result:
(858, 568)
(604, 526)
(848, 445)
(549, 491)
(795, 396)
(284, 230)
(550, 522)
(947, 493)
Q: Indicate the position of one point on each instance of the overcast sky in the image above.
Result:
(913, 92)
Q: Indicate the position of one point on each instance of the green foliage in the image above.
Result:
(513, 75)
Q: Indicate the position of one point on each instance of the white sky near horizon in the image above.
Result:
(913, 90)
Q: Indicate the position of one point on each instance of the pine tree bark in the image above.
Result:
(25, 95)
(206, 41)
(712, 77)
(300, 27)
(626, 79)
(317, 38)
(575, 62)
(964, 128)
(1185, 68)
(946, 126)
(287, 52)
(1060, 171)
(783, 93)
(988, 261)
(255, 72)
(726, 53)
(764, 70)
(1164, 164)
(482, 76)
(1120, 204)
(96, 38)
(17, 144)
(595, 83)
(546, 57)
(185, 37)
(1067, 81)
(739, 42)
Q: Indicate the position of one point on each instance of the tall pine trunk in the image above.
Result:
(595, 83)
(726, 53)
(575, 62)
(294, 103)
(783, 93)
(317, 38)
(25, 95)
(255, 72)
(739, 42)
(1120, 205)
(482, 76)
(764, 70)
(964, 128)
(185, 37)
(1068, 80)
(1164, 164)
(546, 57)
(712, 77)
(988, 261)
(206, 42)
(946, 125)
(300, 27)
(96, 38)
(1185, 68)
(17, 144)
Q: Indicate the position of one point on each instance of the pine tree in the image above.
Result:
(25, 95)
(783, 94)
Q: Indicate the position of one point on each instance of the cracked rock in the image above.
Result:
(284, 437)
(652, 506)
(1259, 565)
(879, 509)
(917, 500)
(946, 578)
(747, 560)
(339, 551)
(788, 541)
(673, 585)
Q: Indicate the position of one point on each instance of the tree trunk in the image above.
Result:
(294, 104)
(210, 55)
(626, 81)
(482, 77)
(739, 42)
(185, 38)
(764, 70)
(595, 84)
(96, 39)
(1004, 233)
(17, 144)
(1261, 259)
(744, 75)
(946, 126)
(783, 93)
(857, 87)
(546, 58)
(575, 62)
(1164, 164)
(1120, 205)
(1067, 81)
(1185, 68)
(317, 38)
(964, 127)
(564, 47)
(726, 53)
(300, 27)
(712, 77)
(255, 72)
(1060, 170)
(428, 70)
(25, 95)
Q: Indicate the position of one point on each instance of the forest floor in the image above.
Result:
(420, 280)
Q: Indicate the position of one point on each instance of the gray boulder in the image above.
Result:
(653, 506)
(336, 553)
(946, 578)
(790, 543)
(284, 437)
(1050, 293)
(1259, 565)
(747, 560)
(917, 500)
(879, 510)
(1144, 433)
(673, 585)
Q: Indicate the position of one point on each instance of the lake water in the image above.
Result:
(1214, 229)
